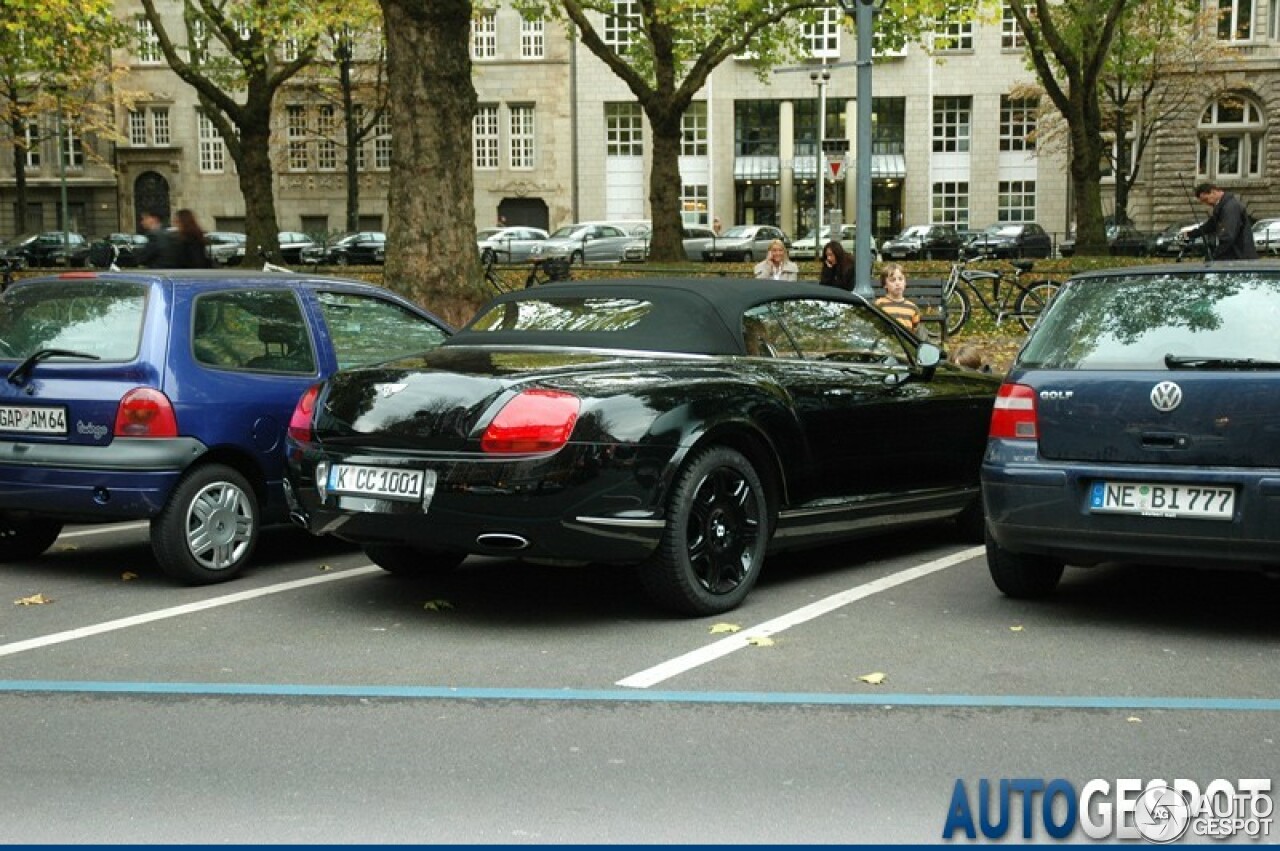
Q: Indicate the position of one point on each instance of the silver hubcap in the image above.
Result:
(219, 526)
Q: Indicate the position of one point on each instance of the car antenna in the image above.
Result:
(1208, 254)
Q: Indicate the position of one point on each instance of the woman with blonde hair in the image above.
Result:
(776, 265)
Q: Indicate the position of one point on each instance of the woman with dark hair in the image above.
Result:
(837, 266)
(192, 253)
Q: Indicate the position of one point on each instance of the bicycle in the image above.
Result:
(1010, 297)
(540, 272)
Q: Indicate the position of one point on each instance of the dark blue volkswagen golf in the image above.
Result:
(1140, 423)
(165, 396)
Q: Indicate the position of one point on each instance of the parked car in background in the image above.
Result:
(584, 242)
(127, 246)
(697, 238)
(508, 244)
(365, 248)
(1266, 236)
(686, 426)
(1138, 424)
(165, 397)
(808, 248)
(924, 242)
(1009, 240)
(1171, 243)
(226, 248)
(1122, 241)
(47, 249)
(292, 244)
(745, 243)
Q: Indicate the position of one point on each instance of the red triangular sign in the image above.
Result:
(835, 169)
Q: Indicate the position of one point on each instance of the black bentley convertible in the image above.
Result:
(685, 426)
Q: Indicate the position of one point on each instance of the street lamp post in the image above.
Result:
(861, 11)
(62, 177)
(821, 78)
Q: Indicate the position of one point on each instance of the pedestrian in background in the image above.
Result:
(837, 267)
(192, 251)
(1228, 221)
(776, 265)
(160, 252)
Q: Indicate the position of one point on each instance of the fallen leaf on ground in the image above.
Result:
(437, 605)
(874, 679)
(325, 567)
(65, 548)
(1134, 719)
(128, 576)
(1017, 628)
(760, 641)
(33, 600)
(722, 628)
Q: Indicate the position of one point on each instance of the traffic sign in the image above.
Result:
(835, 168)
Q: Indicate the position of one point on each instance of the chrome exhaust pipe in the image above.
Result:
(502, 541)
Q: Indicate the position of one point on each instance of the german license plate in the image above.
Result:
(385, 482)
(31, 420)
(1163, 500)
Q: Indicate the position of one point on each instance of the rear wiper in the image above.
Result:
(1200, 362)
(21, 371)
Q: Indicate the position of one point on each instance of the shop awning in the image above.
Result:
(756, 168)
(888, 165)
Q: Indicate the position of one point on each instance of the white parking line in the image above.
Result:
(737, 641)
(176, 611)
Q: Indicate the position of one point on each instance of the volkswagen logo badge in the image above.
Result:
(1166, 396)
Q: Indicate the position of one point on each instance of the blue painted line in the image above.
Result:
(569, 695)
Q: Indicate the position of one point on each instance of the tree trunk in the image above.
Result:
(262, 230)
(1086, 185)
(431, 236)
(667, 240)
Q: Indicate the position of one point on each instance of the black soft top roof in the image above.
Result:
(690, 315)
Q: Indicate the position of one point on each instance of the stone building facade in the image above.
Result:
(558, 138)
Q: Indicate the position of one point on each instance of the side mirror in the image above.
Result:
(928, 356)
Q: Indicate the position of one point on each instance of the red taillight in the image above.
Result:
(145, 412)
(1014, 415)
(534, 421)
(300, 422)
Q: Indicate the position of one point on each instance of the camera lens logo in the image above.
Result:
(1161, 814)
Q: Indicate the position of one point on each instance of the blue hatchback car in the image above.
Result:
(1140, 423)
(165, 396)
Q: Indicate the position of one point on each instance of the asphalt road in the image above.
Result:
(319, 700)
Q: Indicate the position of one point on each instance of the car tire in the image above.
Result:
(24, 537)
(208, 529)
(713, 547)
(1021, 576)
(340, 260)
(403, 560)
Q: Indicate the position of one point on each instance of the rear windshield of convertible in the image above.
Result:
(564, 314)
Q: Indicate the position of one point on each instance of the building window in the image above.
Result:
(297, 133)
(951, 203)
(693, 203)
(137, 128)
(213, 151)
(619, 24)
(72, 148)
(484, 138)
(326, 142)
(1235, 20)
(533, 39)
(198, 33)
(806, 125)
(521, 138)
(484, 35)
(1016, 201)
(148, 45)
(358, 117)
(149, 127)
(1017, 123)
(951, 124)
(953, 35)
(693, 127)
(1230, 136)
(823, 36)
(624, 130)
(755, 128)
(32, 145)
(1011, 37)
(289, 48)
(382, 143)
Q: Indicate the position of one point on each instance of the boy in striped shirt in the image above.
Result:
(894, 302)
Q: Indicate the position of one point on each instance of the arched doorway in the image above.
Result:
(529, 212)
(150, 193)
